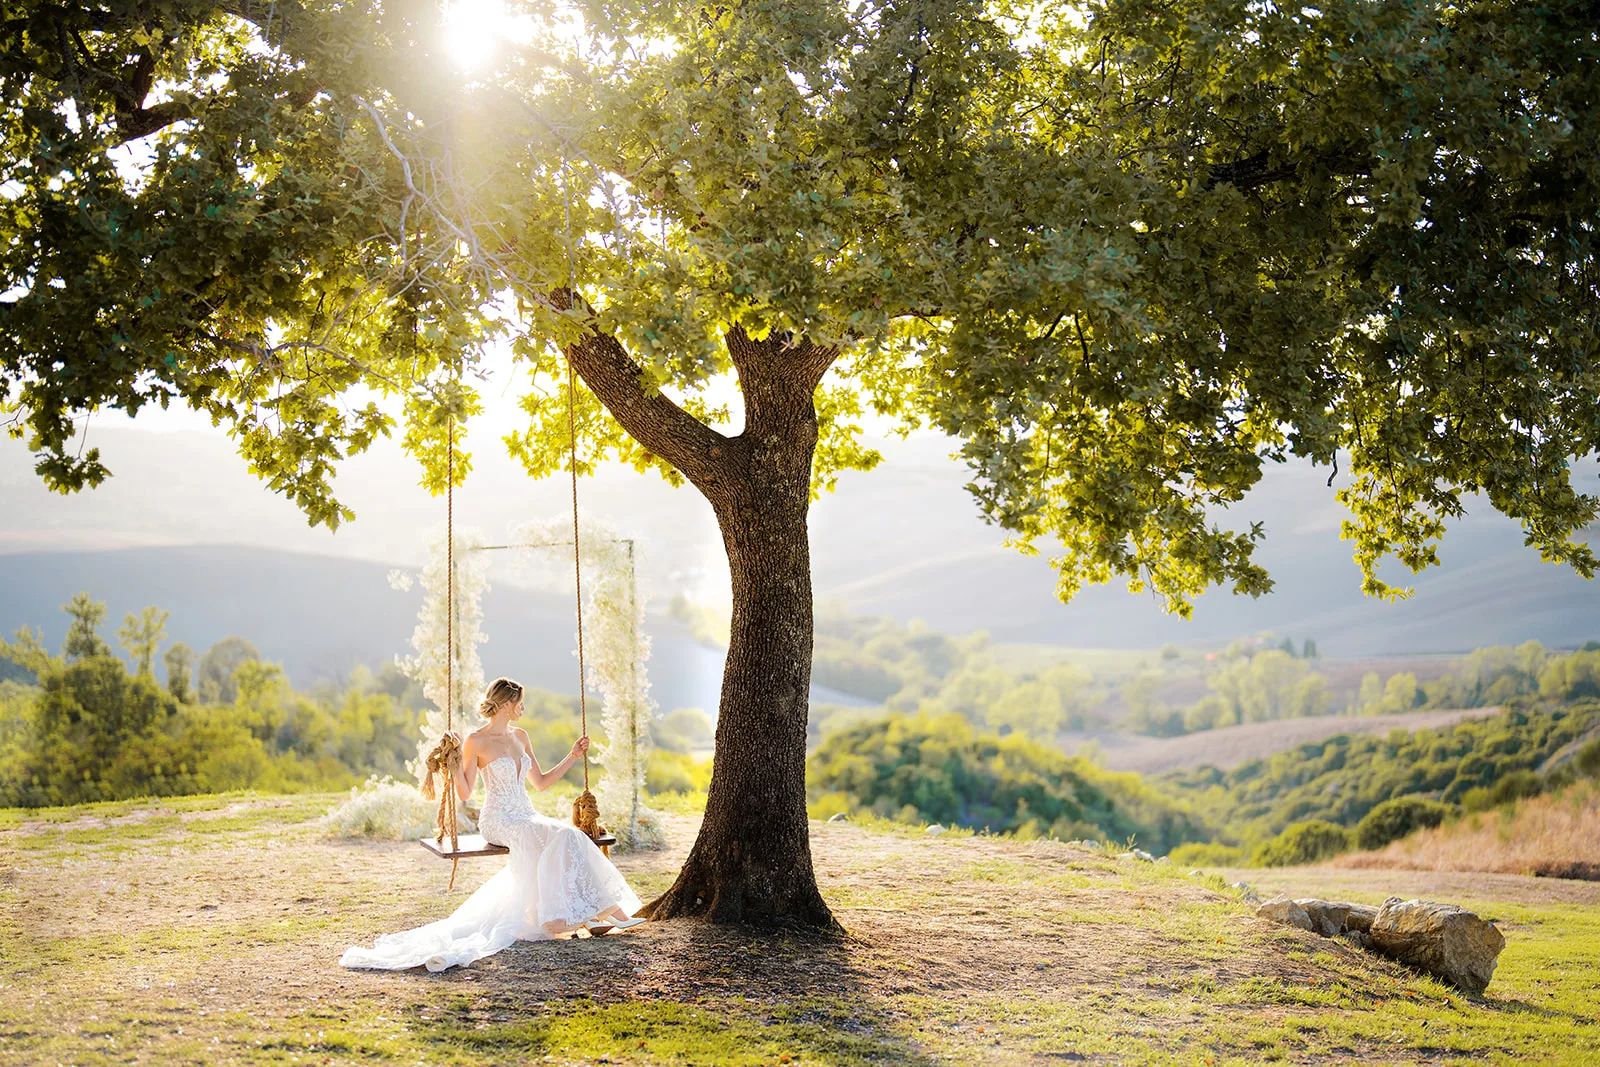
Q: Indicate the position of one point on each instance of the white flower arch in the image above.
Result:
(615, 650)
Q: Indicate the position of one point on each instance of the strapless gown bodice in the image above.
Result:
(506, 799)
(555, 877)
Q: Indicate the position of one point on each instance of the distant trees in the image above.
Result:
(682, 730)
(89, 729)
(927, 768)
(179, 662)
(83, 638)
(217, 668)
(1571, 677)
(1270, 685)
(1475, 764)
(141, 634)
(910, 668)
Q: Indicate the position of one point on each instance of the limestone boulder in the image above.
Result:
(1330, 918)
(1281, 909)
(1442, 939)
(1359, 918)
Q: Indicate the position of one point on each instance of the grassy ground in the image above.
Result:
(207, 931)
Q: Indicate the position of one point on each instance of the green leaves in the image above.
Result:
(1127, 255)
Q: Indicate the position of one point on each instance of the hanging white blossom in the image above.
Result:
(615, 650)
(429, 667)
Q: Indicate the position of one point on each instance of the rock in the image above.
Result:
(934, 831)
(1326, 918)
(1441, 939)
(838, 816)
(1283, 910)
(1331, 918)
(1165, 859)
(1141, 854)
(1359, 918)
(1248, 892)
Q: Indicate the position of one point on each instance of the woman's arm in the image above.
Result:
(467, 776)
(543, 779)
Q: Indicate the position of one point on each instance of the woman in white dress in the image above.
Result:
(557, 880)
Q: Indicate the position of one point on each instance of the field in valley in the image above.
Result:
(1233, 745)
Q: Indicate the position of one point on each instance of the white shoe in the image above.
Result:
(597, 927)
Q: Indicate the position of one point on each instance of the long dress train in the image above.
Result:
(555, 875)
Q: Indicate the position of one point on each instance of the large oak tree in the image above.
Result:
(1127, 253)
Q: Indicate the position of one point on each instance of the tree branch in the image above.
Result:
(702, 454)
(776, 372)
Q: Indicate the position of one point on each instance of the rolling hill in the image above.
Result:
(903, 540)
(321, 615)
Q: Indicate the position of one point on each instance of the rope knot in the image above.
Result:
(443, 761)
(586, 814)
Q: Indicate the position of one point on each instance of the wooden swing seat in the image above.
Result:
(471, 846)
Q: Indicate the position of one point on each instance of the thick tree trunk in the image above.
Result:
(752, 861)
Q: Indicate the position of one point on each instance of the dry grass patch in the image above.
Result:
(1556, 834)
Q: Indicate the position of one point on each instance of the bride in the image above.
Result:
(557, 880)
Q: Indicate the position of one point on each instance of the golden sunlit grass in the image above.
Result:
(1543, 834)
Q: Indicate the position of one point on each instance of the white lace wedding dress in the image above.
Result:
(555, 875)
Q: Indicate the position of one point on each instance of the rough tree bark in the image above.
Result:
(752, 861)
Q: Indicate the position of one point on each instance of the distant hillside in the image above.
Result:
(1230, 746)
(903, 540)
(320, 615)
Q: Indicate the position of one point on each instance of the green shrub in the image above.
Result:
(1303, 842)
(928, 768)
(1511, 787)
(1342, 778)
(675, 772)
(1397, 818)
(1209, 854)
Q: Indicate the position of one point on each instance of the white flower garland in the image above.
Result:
(430, 666)
(615, 650)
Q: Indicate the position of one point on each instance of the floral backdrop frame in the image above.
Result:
(615, 645)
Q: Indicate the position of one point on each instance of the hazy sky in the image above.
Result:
(903, 539)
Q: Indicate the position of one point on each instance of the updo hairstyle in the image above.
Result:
(501, 691)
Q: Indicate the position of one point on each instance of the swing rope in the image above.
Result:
(445, 758)
(585, 808)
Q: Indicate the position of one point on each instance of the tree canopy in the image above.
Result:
(1126, 254)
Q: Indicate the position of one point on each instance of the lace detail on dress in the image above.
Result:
(555, 876)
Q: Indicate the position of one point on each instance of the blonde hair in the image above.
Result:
(501, 691)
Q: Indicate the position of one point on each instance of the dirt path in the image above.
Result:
(1456, 886)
